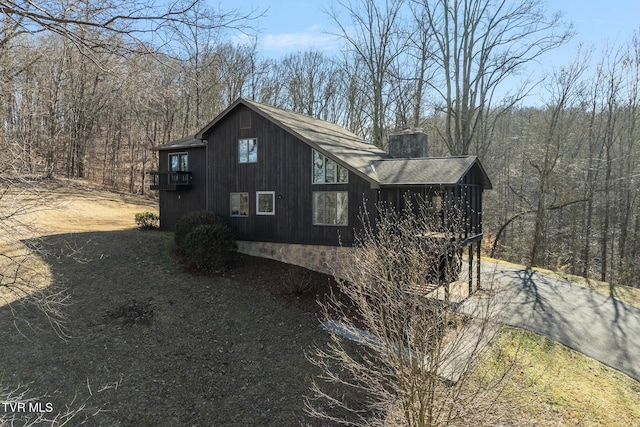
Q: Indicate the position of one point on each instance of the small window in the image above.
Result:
(330, 208)
(178, 162)
(248, 150)
(265, 203)
(239, 204)
(326, 171)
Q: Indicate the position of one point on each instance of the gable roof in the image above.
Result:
(429, 171)
(366, 160)
(332, 140)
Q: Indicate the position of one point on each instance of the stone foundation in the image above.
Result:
(325, 259)
(331, 259)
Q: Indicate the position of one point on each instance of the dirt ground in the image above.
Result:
(152, 345)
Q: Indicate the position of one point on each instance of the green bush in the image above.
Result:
(209, 246)
(191, 220)
(147, 220)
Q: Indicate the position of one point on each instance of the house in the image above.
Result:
(286, 182)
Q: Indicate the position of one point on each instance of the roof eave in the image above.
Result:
(312, 144)
(486, 182)
(179, 144)
(201, 135)
(417, 184)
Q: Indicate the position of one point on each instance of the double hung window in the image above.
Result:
(248, 150)
(330, 207)
(239, 204)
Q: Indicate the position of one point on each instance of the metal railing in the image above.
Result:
(171, 181)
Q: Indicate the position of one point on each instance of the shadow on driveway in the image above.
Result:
(596, 325)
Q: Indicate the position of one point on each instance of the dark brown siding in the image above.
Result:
(174, 204)
(465, 197)
(284, 166)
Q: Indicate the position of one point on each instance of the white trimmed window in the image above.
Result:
(265, 203)
(248, 150)
(239, 203)
(330, 208)
(326, 171)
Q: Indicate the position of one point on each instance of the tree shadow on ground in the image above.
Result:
(153, 345)
(582, 319)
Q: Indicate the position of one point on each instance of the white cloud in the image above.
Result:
(276, 44)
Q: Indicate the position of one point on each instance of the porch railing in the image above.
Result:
(171, 181)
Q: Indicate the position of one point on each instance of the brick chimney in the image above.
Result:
(411, 143)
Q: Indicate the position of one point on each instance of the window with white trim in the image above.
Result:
(330, 208)
(265, 203)
(248, 150)
(239, 204)
(326, 171)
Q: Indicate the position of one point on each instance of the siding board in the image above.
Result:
(173, 204)
(284, 166)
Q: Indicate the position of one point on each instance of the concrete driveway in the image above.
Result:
(584, 320)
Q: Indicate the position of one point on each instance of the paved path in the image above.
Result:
(584, 320)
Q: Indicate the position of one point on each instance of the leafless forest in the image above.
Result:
(89, 87)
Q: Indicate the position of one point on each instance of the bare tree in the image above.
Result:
(413, 362)
(628, 152)
(195, 39)
(371, 31)
(311, 82)
(478, 45)
(556, 128)
(75, 20)
(58, 116)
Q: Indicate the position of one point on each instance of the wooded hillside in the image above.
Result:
(85, 94)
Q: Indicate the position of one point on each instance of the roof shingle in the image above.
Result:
(351, 151)
(186, 142)
(425, 171)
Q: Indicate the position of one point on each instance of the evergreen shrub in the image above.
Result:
(147, 220)
(188, 222)
(205, 241)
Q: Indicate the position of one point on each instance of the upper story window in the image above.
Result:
(248, 150)
(326, 171)
(178, 162)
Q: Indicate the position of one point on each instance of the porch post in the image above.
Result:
(478, 248)
(470, 269)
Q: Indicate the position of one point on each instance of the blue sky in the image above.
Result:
(291, 26)
(297, 25)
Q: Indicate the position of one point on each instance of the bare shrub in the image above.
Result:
(414, 353)
(297, 281)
